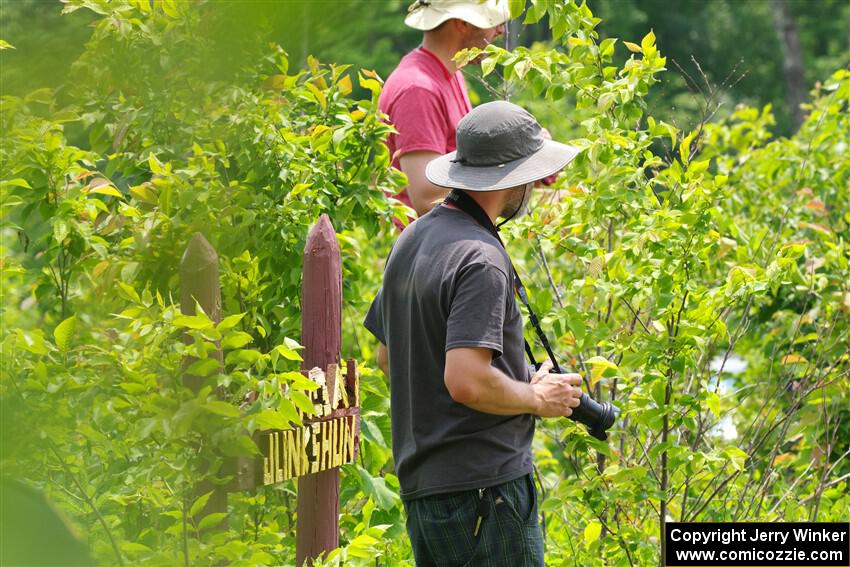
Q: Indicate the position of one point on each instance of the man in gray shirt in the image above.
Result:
(463, 399)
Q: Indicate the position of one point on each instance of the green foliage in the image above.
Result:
(660, 257)
(668, 253)
(103, 189)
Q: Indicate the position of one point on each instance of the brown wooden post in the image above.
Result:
(321, 335)
(199, 283)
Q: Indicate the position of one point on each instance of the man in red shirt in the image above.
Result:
(425, 96)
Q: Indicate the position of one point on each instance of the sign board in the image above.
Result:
(329, 438)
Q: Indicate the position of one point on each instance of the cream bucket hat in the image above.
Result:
(428, 14)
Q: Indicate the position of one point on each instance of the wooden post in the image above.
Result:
(321, 335)
(199, 283)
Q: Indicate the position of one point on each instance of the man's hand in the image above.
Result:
(556, 394)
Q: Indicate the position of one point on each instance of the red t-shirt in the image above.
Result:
(424, 102)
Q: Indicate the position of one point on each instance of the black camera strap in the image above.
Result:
(468, 205)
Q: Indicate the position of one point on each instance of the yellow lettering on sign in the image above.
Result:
(278, 475)
(327, 447)
(268, 467)
(316, 434)
(338, 431)
(349, 439)
(340, 387)
(303, 459)
(356, 379)
(312, 448)
(292, 453)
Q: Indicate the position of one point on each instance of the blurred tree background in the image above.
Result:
(758, 51)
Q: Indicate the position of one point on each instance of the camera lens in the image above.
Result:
(597, 417)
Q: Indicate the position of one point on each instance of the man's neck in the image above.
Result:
(444, 51)
(493, 203)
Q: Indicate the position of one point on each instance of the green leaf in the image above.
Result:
(203, 367)
(633, 47)
(521, 68)
(64, 331)
(42, 96)
(516, 8)
(5, 45)
(685, 148)
(647, 44)
(287, 352)
(606, 48)
(222, 408)
(144, 193)
(229, 322)
(60, 230)
(376, 488)
(299, 381)
(193, 321)
(243, 356)
(134, 547)
(235, 339)
(535, 12)
(242, 445)
(318, 95)
(592, 532)
(698, 167)
(712, 400)
(364, 546)
(107, 190)
(211, 520)
(287, 409)
(129, 292)
(551, 504)
(17, 182)
(271, 419)
(599, 366)
(199, 503)
(736, 456)
(155, 165)
(302, 402)
(32, 342)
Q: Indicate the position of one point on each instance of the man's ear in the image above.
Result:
(461, 27)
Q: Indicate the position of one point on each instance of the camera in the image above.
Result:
(598, 418)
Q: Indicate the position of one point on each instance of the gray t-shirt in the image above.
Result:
(448, 284)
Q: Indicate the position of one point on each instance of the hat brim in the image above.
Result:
(551, 158)
(484, 15)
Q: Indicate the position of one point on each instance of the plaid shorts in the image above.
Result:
(442, 527)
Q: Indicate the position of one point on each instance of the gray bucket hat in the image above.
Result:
(499, 145)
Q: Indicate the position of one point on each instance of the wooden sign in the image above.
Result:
(328, 439)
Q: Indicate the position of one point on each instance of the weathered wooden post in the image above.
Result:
(329, 436)
(321, 335)
(199, 283)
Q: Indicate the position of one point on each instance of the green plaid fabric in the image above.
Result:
(441, 528)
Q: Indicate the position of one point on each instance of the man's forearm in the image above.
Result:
(383, 359)
(424, 197)
(423, 194)
(489, 390)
